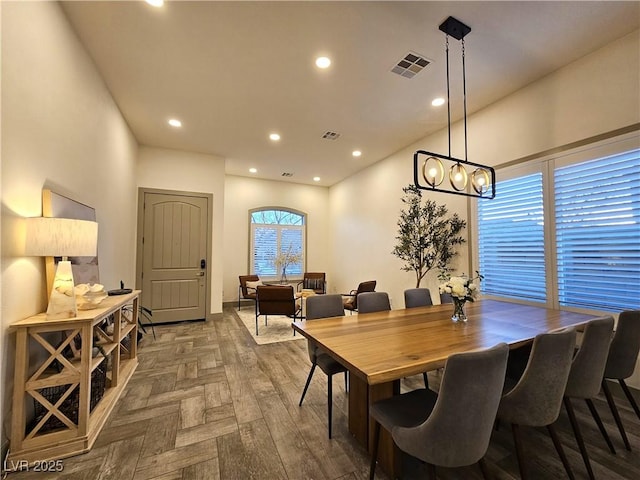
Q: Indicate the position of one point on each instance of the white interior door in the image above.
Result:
(174, 256)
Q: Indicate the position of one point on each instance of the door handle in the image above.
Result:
(200, 274)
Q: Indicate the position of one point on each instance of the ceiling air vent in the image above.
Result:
(331, 135)
(287, 174)
(410, 65)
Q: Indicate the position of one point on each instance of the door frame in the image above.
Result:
(140, 245)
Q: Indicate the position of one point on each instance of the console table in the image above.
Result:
(73, 393)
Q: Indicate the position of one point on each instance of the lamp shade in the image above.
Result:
(60, 237)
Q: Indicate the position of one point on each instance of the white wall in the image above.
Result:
(597, 94)
(243, 194)
(192, 172)
(60, 130)
(364, 212)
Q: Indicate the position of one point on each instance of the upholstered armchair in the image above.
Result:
(315, 281)
(247, 287)
(351, 302)
(276, 300)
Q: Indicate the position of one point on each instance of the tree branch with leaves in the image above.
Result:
(427, 237)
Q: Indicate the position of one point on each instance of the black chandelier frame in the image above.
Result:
(483, 177)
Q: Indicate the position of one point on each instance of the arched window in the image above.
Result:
(275, 234)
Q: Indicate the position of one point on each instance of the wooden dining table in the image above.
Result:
(381, 348)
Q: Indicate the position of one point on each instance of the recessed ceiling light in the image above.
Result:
(323, 62)
(436, 102)
(316, 179)
(253, 170)
(356, 153)
(175, 123)
(274, 136)
(155, 3)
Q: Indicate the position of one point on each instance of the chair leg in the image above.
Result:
(603, 431)
(257, 318)
(560, 450)
(426, 379)
(629, 397)
(431, 471)
(346, 381)
(578, 435)
(519, 451)
(306, 385)
(616, 415)
(329, 400)
(483, 468)
(374, 451)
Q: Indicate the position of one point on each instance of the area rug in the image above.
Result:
(278, 328)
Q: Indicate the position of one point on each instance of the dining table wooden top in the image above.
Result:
(385, 346)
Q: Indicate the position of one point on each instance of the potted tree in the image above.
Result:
(427, 236)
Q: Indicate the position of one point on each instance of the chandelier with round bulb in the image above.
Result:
(435, 166)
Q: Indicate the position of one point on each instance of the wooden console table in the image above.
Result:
(114, 355)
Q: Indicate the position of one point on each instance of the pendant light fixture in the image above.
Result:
(444, 173)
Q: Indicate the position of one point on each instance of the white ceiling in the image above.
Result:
(235, 71)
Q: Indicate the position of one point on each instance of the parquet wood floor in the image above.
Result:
(207, 403)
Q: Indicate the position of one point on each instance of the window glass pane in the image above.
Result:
(292, 242)
(511, 240)
(598, 233)
(273, 232)
(265, 247)
(277, 217)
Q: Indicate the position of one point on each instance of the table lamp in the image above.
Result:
(61, 237)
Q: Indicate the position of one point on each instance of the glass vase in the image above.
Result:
(458, 310)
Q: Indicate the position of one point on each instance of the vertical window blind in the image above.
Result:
(598, 233)
(511, 240)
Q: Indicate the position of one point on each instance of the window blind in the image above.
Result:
(273, 232)
(598, 233)
(511, 240)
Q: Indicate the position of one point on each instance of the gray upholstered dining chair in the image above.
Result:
(585, 378)
(417, 297)
(623, 355)
(369, 302)
(536, 398)
(323, 306)
(446, 298)
(451, 428)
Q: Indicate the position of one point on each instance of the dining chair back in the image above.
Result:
(417, 297)
(351, 302)
(585, 378)
(323, 306)
(373, 302)
(275, 300)
(621, 362)
(451, 428)
(536, 398)
(446, 298)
